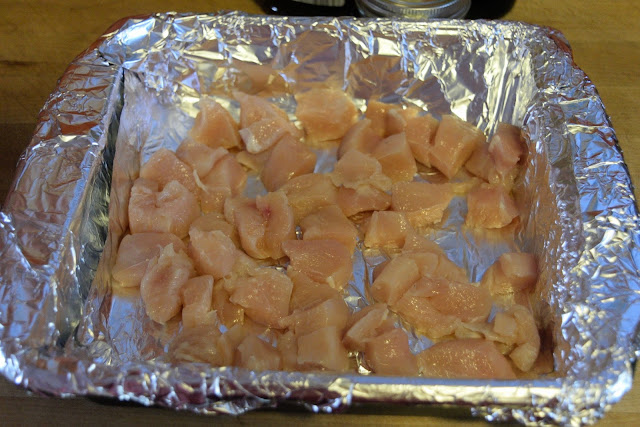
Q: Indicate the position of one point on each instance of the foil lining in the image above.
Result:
(65, 331)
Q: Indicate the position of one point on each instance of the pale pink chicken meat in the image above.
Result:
(226, 179)
(389, 354)
(163, 167)
(288, 348)
(322, 349)
(453, 144)
(257, 355)
(356, 169)
(423, 203)
(526, 339)
(387, 229)
(360, 137)
(288, 159)
(510, 278)
(326, 114)
(396, 158)
(437, 264)
(213, 252)
(171, 210)
(250, 224)
(377, 113)
(490, 206)
(197, 345)
(197, 294)
(254, 161)
(162, 283)
(229, 313)
(331, 312)
(506, 147)
(308, 193)
(199, 157)
(280, 225)
(330, 222)
(420, 132)
(365, 326)
(365, 198)
(397, 119)
(215, 221)
(134, 254)
(307, 292)
(264, 296)
(325, 261)
(482, 164)
(396, 278)
(227, 344)
(214, 126)
(465, 359)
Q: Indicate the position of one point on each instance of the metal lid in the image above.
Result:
(414, 9)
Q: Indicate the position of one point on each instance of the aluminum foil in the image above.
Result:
(65, 330)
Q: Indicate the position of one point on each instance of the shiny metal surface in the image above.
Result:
(63, 329)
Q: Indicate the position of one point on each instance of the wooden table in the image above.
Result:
(39, 38)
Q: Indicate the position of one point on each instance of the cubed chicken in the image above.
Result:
(308, 193)
(163, 167)
(366, 198)
(325, 261)
(356, 169)
(213, 252)
(396, 278)
(397, 118)
(453, 144)
(326, 114)
(307, 292)
(387, 229)
(420, 132)
(465, 359)
(389, 354)
(423, 203)
(365, 326)
(162, 282)
(214, 126)
(490, 206)
(322, 349)
(134, 254)
(396, 158)
(215, 221)
(507, 147)
(197, 294)
(227, 179)
(197, 345)
(199, 157)
(171, 210)
(257, 355)
(264, 296)
(360, 137)
(331, 312)
(330, 223)
(377, 113)
(288, 159)
(228, 312)
(280, 226)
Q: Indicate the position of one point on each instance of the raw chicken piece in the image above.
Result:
(280, 226)
(288, 159)
(330, 223)
(226, 179)
(214, 126)
(506, 147)
(466, 301)
(134, 254)
(437, 264)
(389, 354)
(415, 242)
(519, 329)
(510, 278)
(423, 203)
(396, 158)
(288, 348)
(397, 118)
(323, 349)
(163, 167)
(264, 296)
(356, 169)
(481, 163)
(326, 114)
(213, 252)
(331, 312)
(262, 123)
(161, 284)
(215, 221)
(360, 137)
(197, 345)
(228, 343)
(250, 223)
(365, 198)
(308, 193)
(325, 261)
(420, 132)
(424, 317)
(377, 113)
(490, 206)
(168, 211)
(387, 229)
(256, 355)
(199, 157)
(365, 326)
(453, 144)
(396, 278)
(465, 359)
(228, 312)
(307, 292)
(196, 299)
(254, 162)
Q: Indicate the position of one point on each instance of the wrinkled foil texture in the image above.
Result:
(65, 331)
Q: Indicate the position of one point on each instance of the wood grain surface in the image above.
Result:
(39, 38)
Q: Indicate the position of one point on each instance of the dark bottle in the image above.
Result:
(489, 9)
(309, 7)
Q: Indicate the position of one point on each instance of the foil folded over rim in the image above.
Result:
(582, 225)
